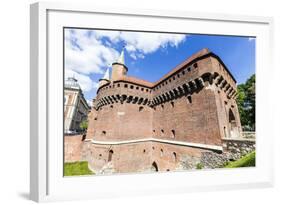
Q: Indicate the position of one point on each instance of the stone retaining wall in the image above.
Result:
(234, 149)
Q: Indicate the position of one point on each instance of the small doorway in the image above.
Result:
(234, 132)
(154, 167)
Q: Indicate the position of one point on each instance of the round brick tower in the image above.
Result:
(119, 69)
(139, 126)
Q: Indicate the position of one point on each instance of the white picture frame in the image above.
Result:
(46, 156)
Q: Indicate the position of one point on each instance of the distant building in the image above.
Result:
(76, 108)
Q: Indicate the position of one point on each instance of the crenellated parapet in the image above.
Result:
(123, 92)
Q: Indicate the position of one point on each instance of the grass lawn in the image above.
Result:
(248, 160)
(76, 168)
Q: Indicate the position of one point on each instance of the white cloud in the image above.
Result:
(145, 43)
(85, 82)
(86, 54)
(89, 102)
(89, 52)
(251, 39)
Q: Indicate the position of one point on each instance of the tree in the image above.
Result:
(246, 102)
(84, 125)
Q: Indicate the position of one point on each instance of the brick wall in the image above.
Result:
(72, 148)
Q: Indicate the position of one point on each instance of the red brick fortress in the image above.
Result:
(139, 126)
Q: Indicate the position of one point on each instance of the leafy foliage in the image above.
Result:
(84, 125)
(246, 102)
(199, 166)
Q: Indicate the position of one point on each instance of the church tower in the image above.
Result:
(105, 78)
(119, 68)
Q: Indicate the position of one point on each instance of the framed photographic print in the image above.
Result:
(127, 102)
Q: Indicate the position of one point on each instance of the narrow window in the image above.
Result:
(174, 78)
(178, 75)
(111, 106)
(175, 156)
(173, 134)
(143, 151)
(132, 87)
(161, 152)
(104, 132)
(172, 104)
(140, 108)
(137, 88)
(96, 118)
(188, 69)
(183, 72)
(141, 89)
(125, 85)
(162, 131)
(146, 90)
(110, 155)
(195, 65)
(118, 85)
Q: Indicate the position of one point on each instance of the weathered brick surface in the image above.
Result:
(72, 147)
(138, 157)
(193, 103)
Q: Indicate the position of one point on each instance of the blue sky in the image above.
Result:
(88, 53)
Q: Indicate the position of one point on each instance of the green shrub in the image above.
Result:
(248, 160)
(199, 166)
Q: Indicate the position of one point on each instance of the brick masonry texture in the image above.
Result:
(194, 103)
(72, 147)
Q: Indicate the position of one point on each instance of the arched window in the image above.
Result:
(161, 152)
(140, 108)
(154, 167)
(173, 134)
(175, 156)
(110, 155)
(234, 131)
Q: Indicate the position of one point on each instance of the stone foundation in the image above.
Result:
(234, 149)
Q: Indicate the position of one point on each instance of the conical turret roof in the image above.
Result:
(106, 75)
(121, 59)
